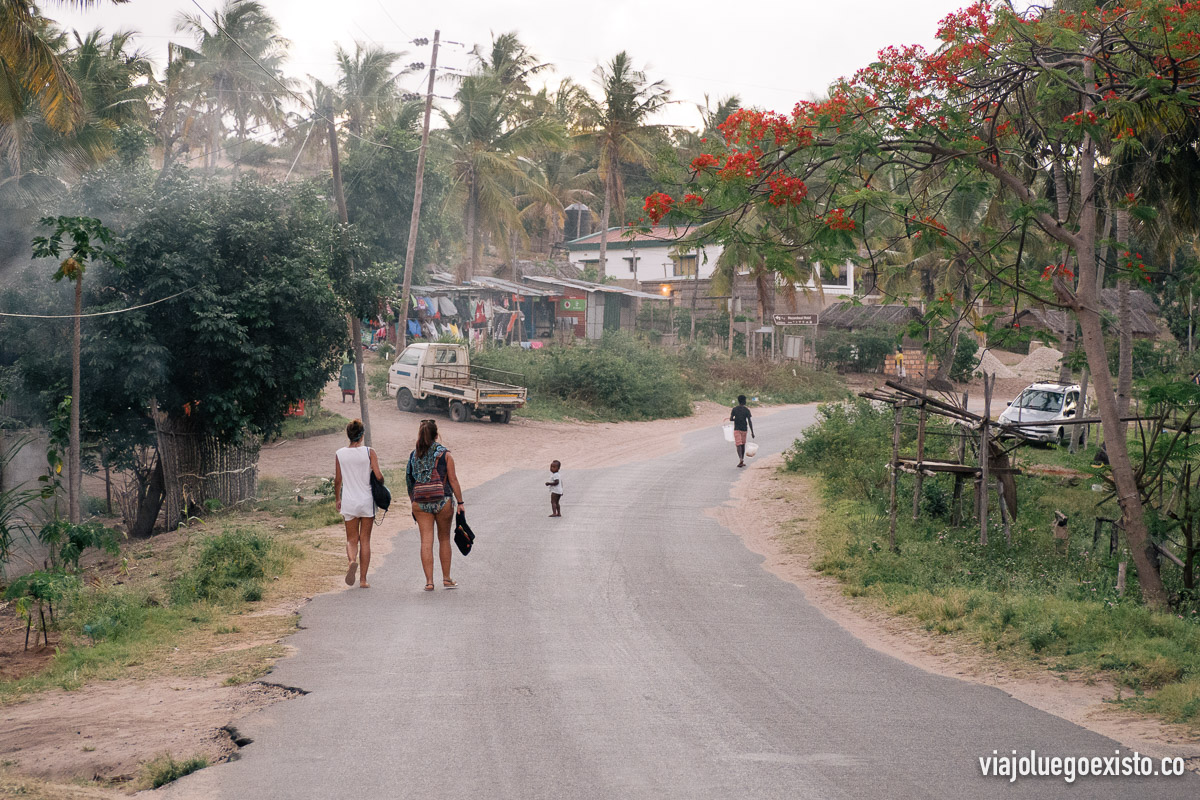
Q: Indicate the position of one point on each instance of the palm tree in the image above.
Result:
(239, 58)
(485, 148)
(620, 131)
(30, 64)
(566, 174)
(367, 85)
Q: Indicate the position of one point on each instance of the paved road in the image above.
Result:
(632, 649)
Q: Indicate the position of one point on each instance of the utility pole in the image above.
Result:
(410, 255)
(355, 325)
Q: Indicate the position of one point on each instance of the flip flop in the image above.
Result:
(429, 587)
(351, 572)
(449, 585)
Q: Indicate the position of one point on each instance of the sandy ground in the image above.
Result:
(107, 730)
(483, 450)
(781, 531)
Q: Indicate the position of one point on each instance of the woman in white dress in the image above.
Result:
(353, 466)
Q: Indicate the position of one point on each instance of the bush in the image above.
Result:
(965, 358)
(618, 378)
(230, 564)
(850, 446)
(864, 351)
(165, 769)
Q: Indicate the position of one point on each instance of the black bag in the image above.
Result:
(464, 537)
(380, 493)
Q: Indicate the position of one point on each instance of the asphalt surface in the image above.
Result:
(632, 649)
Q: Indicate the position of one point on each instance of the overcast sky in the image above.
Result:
(770, 58)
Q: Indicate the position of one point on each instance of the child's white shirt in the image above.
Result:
(558, 487)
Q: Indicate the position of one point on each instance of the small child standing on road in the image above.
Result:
(556, 489)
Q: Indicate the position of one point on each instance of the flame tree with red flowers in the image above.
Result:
(1042, 105)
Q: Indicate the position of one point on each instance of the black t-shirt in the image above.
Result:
(741, 417)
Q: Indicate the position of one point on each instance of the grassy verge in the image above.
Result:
(623, 378)
(316, 421)
(1036, 600)
(182, 604)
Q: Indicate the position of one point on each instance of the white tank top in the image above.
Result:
(356, 482)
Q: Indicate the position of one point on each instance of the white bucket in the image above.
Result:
(728, 430)
(751, 449)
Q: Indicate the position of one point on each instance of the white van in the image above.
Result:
(1043, 403)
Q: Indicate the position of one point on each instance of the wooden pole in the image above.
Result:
(413, 223)
(895, 478)
(988, 385)
(1004, 513)
(956, 511)
(919, 482)
(75, 447)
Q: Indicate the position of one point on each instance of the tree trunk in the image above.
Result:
(604, 217)
(1064, 213)
(75, 477)
(355, 327)
(1125, 321)
(150, 500)
(473, 227)
(732, 306)
(1088, 311)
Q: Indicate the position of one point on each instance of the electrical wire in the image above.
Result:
(97, 313)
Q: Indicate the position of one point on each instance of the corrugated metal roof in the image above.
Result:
(588, 286)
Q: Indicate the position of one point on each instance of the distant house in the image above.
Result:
(660, 255)
(1143, 315)
(666, 256)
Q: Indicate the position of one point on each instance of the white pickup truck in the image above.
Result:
(441, 376)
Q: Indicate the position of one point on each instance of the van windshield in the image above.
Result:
(1039, 400)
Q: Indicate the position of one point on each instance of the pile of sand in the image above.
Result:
(1040, 365)
(990, 365)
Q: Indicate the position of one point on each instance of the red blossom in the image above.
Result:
(786, 190)
(693, 199)
(704, 161)
(657, 206)
(836, 220)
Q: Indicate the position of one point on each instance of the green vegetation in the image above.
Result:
(1030, 599)
(110, 629)
(621, 378)
(165, 769)
(618, 378)
(316, 421)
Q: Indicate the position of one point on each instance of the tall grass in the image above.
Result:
(1031, 599)
(624, 378)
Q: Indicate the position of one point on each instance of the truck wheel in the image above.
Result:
(502, 416)
(459, 411)
(1060, 437)
(405, 401)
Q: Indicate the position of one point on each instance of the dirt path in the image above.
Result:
(483, 450)
(782, 531)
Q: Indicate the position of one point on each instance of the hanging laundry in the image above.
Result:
(414, 328)
(447, 307)
(480, 317)
(454, 331)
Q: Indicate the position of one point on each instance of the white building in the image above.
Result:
(664, 255)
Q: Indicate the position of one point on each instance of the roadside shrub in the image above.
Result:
(849, 446)
(101, 614)
(620, 376)
(165, 769)
(230, 564)
(862, 351)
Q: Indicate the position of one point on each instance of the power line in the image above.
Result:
(97, 313)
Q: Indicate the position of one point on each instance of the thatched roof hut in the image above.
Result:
(853, 317)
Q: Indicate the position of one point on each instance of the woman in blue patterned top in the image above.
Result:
(431, 465)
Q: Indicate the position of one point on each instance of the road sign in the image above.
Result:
(794, 319)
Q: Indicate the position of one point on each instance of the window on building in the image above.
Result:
(685, 266)
(631, 264)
